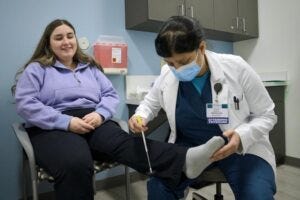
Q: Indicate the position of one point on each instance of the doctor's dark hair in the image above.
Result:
(179, 34)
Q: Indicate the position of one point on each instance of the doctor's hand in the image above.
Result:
(79, 126)
(137, 126)
(234, 142)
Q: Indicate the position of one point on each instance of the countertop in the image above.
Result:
(275, 83)
(266, 83)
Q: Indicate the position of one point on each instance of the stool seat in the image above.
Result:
(213, 175)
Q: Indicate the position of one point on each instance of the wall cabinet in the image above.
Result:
(202, 10)
(230, 20)
(175, 7)
(148, 15)
(239, 17)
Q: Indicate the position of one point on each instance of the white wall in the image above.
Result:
(278, 49)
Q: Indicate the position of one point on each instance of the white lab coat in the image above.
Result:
(254, 119)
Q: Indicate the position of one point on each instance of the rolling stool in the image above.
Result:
(211, 176)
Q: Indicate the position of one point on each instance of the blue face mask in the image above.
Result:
(187, 72)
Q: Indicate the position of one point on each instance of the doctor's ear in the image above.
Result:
(202, 47)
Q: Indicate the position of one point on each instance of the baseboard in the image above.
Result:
(102, 184)
(292, 161)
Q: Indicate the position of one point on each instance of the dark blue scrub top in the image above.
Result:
(191, 122)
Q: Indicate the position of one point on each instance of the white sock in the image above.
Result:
(197, 158)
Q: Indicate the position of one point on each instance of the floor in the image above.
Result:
(288, 188)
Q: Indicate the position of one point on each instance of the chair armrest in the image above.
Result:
(123, 124)
(24, 140)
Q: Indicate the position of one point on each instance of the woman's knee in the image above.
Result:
(60, 152)
(78, 163)
(107, 137)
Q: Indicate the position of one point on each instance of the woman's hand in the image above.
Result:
(234, 142)
(137, 126)
(79, 126)
(94, 119)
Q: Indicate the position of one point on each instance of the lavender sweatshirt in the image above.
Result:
(42, 93)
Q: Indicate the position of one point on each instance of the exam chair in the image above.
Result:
(38, 174)
(208, 177)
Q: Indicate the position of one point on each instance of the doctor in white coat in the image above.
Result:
(206, 94)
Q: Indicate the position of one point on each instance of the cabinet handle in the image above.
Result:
(237, 23)
(244, 25)
(181, 10)
(192, 11)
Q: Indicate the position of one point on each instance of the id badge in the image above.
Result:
(217, 113)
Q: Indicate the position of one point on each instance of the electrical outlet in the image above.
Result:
(83, 43)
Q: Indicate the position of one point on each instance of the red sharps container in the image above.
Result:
(111, 53)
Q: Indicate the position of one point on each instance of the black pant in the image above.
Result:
(68, 157)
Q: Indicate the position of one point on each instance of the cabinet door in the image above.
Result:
(248, 14)
(226, 15)
(202, 10)
(277, 134)
(161, 10)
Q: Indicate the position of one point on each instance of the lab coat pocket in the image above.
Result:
(238, 105)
